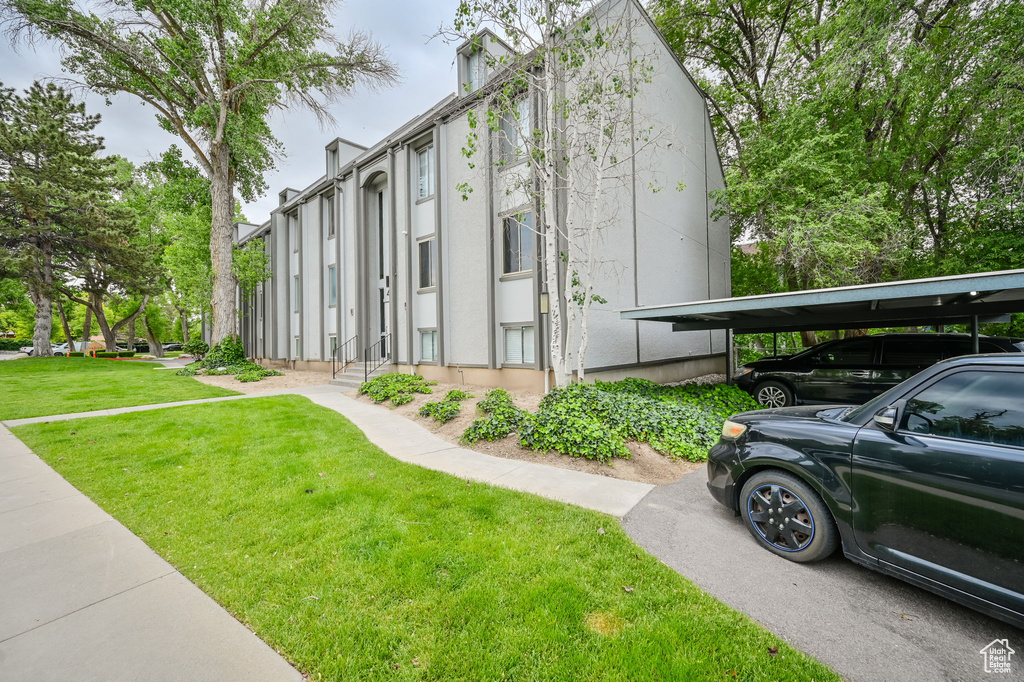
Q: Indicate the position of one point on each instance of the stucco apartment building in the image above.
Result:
(383, 255)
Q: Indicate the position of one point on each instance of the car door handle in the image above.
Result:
(863, 374)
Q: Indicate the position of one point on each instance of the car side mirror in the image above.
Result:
(888, 417)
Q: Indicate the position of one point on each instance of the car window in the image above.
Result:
(917, 351)
(856, 352)
(958, 347)
(973, 405)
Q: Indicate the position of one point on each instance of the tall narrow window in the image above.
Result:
(332, 285)
(428, 263)
(475, 65)
(332, 342)
(296, 294)
(328, 214)
(425, 175)
(517, 243)
(298, 347)
(293, 230)
(428, 346)
(515, 128)
(519, 345)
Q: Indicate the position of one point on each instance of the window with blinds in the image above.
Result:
(425, 175)
(519, 346)
(428, 263)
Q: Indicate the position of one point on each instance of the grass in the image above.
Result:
(357, 566)
(34, 387)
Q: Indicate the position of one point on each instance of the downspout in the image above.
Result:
(392, 284)
(408, 259)
(438, 232)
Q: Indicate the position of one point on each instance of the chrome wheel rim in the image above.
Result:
(771, 396)
(780, 517)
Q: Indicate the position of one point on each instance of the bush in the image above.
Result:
(76, 354)
(196, 348)
(14, 344)
(447, 408)
(255, 372)
(504, 418)
(105, 354)
(126, 354)
(595, 421)
(388, 386)
(226, 353)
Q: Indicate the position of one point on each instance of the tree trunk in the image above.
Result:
(86, 328)
(64, 324)
(109, 338)
(222, 244)
(155, 347)
(184, 325)
(44, 322)
(809, 339)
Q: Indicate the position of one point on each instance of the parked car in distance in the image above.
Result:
(857, 369)
(171, 347)
(62, 349)
(26, 349)
(924, 482)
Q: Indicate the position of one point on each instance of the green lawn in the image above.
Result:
(34, 387)
(357, 566)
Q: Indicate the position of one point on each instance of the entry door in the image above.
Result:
(383, 276)
(943, 495)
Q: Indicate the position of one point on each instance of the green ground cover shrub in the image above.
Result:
(105, 354)
(446, 409)
(14, 344)
(398, 388)
(126, 354)
(196, 348)
(595, 421)
(503, 418)
(76, 354)
(227, 358)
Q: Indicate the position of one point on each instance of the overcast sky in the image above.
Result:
(402, 26)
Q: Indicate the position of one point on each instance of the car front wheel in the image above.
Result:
(773, 394)
(787, 517)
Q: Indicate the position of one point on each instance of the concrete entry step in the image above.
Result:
(354, 375)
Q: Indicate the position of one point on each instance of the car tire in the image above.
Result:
(773, 394)
(805, 532)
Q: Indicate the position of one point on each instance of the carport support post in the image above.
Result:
(728, 356)
(974, 334)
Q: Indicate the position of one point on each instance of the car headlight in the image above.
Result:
(731, 430)
(742, 371)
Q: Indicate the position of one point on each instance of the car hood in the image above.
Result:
(798, 412)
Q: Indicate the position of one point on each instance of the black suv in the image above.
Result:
(925, 482)
(855, 370)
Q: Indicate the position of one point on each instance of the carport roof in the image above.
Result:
(919, 302)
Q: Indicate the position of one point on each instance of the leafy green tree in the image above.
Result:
(58, 215)
(213, 71)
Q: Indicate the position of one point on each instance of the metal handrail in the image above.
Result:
(344, 355)
(377, 354)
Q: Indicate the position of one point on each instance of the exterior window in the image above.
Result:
(517, 244)
(428, 263)
(298, 347)
(475, 70)
(515, 127)
(519, 345)
(332, 286)
(293, 229)
(329, 214)
(425, 181)
(332, 342)
(972, 406)
(296, 293)
(428, 346)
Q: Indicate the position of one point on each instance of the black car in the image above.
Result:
(170, 347)
(925, 482)
(857, 369)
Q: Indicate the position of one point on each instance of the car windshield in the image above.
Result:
(855, 414)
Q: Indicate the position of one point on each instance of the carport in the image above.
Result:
(938, 301)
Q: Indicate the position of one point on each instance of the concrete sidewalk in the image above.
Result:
(410, 442)
(82, 598)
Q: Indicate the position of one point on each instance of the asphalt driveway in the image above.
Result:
(865, 625)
